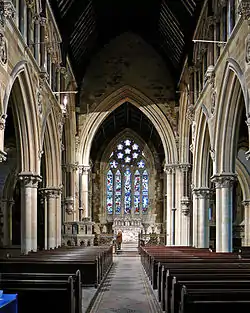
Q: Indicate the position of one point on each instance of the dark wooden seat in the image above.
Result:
(213, 300)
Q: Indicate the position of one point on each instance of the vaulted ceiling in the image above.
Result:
(87, 25)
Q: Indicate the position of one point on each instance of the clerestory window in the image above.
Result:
(127, 180)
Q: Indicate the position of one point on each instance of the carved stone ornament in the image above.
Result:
(2, 121)
(190, 113)
(69, 205)
(185, 203)
(7, 11)
(224, 180)
(30, 4)
(244, 9)
(222, 3)
(3, 49)
(247, 49)
(212, 154)
(29, 180)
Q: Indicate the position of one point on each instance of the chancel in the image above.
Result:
(127, 117)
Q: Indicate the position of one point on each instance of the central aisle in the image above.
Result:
(126, 288)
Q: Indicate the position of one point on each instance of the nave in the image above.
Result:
(126, 288)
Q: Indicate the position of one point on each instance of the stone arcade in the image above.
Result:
(113, 125)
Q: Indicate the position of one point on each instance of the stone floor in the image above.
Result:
(126, 288)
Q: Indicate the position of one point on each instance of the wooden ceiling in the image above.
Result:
(87, 25)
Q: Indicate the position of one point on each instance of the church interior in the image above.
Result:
(127, 117)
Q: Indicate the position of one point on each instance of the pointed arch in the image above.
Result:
(233, 87)
(51, 144)
(27, 116)
(244, 179)
(142, 102)
(202, 155)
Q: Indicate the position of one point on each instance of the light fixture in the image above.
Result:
(44, 43)
(65, 92)
(210, 41)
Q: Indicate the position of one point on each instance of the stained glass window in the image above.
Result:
(118, 192)
(110, 192)
(127, 180)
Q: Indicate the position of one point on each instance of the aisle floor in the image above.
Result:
(126, 289)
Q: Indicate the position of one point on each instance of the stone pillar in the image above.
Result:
(202, 217)
(59, 218)
(29, 184)
(80, 193)
(195, 220)
(69, 200)
(248, 125)
(224, 208)
(170, 198)
(52, 196)
(3, 154)
(246, 204)
(85, 191)
(6, 221)
(185, 209)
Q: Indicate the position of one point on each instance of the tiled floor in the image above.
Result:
(126, 288)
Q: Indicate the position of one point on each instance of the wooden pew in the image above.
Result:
(213, 300)
(197, 274)
(42, 295)
(10, 281)
(92, 262)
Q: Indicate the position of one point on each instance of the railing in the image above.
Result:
(151, 239)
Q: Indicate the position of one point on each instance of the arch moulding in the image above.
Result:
(143, 103)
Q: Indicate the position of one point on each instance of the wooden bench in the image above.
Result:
(92, 263)
(197, 274)
(213, 300)
(55, 296)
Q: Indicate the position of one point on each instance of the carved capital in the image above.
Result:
(224, 180)
(184, 167)
(7, 11)
(84, 169)
(246, 204)
(29, 180)
(51, 192)
(244, 9)
(202, 193)
(3, 49)
(69, 167)
(169, 168)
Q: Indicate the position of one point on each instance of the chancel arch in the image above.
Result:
(143, 103)
(127, 156)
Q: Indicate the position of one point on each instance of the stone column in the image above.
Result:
(69, 200)
(6, 221)
(248, 125)
(224, 208)
(80, 168)
(195, 219)
(3, 154)
(246, 204)
(185, 209)
(202, 217)
(52, 196)
(170, 218)
(29, 184)
(85, 190)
